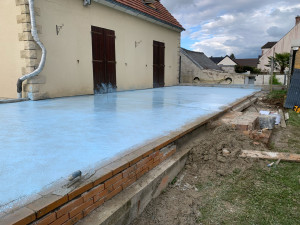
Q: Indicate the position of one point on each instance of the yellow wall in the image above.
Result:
(10, 47)
(66, 77)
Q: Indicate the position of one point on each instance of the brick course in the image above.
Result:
(69, 209)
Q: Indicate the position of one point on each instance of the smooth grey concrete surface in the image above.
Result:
(44, 141)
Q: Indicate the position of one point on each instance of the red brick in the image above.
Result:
(128, 183)
(113, 180)
(158, 157)
(19, 217)
(143, 162)
(61, 220)
(80, 208)
(113, 193)
(103, 178)
(86, 196)
(93, 207)
(46, 204)
(80, 190)
(119, 183)
(154, 165)
(142, 173)
(128, 171)
(148, 164)
(46, 219)
(170, 153)
(74, 220)
(161, 13)
(153, 155)
(69, 206)
(120, 169)
(100, 195)
(136, 160)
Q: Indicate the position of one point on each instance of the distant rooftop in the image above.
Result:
(216, 60)
(200, 59)
(247, 62)
(269, 44)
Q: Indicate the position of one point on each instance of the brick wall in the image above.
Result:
(69, 209)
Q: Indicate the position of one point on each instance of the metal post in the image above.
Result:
(272, 72)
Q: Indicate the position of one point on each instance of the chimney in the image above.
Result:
(297, 20)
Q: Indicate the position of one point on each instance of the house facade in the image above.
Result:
(101, 46)
(282, 46)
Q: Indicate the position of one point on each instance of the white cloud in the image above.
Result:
(234, 26)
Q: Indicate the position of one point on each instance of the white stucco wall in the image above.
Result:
(265, 79)
(134, 70)
(282, 46)
(10, 60)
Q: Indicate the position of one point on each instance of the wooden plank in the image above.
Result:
(282, 120)
(270, 155)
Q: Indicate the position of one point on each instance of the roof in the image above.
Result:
(159, 13)
(247, 62)
(269, 45)
(216, 60)
(200, 59)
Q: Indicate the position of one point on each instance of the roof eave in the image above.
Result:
(137, 13)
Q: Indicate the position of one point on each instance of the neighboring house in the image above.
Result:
(226, 63)
(103, 46)
(196, 67)
(267, 47)
(282, 46)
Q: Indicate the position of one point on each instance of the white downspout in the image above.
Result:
(37, 40)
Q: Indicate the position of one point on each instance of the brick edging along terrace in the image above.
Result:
(69, 209)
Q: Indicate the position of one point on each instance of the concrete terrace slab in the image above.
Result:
(44, 141)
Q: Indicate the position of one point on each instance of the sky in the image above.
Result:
(242, 27)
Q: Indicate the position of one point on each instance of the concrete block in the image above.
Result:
(244, 122)
(25, 36)
(37, 80)
(32, 88)
(26, 70)
(31, 62)
(23, 18)
(21, 2)
(30, 45)
(24, 9)
(26, 27)
(37, 95)
(267, 121)
(29, 54)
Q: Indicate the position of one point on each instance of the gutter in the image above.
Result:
(37, 40)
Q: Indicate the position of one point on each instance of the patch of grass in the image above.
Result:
(256, 196)
(294, 118)
(277, 94)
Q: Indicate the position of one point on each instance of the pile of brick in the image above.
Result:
(248, 123)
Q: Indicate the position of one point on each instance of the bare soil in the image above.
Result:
(203, 193)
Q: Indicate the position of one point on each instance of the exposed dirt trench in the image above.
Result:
(212, 164)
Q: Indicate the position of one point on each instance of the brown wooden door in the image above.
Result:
(158, 64)
(104, 59)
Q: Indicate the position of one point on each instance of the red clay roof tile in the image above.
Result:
(160, 13)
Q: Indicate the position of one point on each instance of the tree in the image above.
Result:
(281, 61)
(232, 56)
